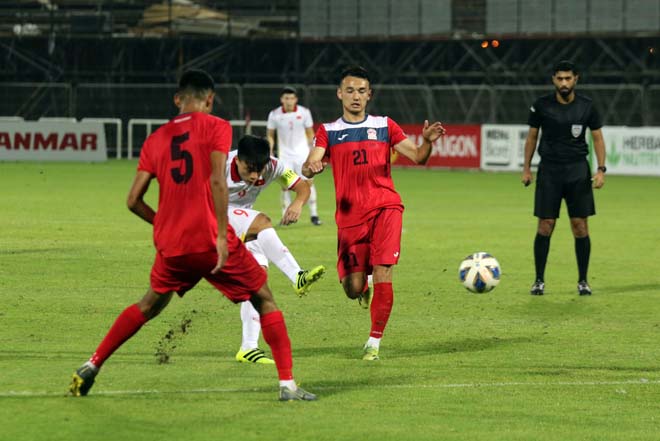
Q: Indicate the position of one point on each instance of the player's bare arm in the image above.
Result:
(135, 200)
(293, 211)
(270, 136)
(314, 164)
(220, 199)
(599, 150)
(530, 147)
(420, 154)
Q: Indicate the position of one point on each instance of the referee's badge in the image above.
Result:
(576, 130)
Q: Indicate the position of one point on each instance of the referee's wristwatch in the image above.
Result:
(602, 168)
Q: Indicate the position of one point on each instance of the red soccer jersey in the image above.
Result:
(178, 154)
(360, 157)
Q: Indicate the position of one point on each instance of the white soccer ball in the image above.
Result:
(479, 272)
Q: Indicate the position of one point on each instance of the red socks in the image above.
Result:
(126, 325)
(274, 331)
(381, 306)
(131, 320)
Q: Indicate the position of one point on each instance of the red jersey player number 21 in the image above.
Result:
(368, 208)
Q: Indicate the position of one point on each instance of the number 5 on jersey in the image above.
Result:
(177, 154)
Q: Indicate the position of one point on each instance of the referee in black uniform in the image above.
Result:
(563, 118)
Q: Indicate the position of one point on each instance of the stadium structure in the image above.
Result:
(458, 61)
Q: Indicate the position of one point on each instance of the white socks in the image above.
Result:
(91, 365)
(277, 253)
(280, 256)
(251, 326)
(289, 384)
(373, 343)
(311, 202)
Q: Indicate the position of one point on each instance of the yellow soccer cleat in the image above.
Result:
(306, 279)
(255, 355)
(364, 299)
(370, 353)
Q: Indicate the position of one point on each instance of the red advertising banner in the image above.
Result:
(460, 147)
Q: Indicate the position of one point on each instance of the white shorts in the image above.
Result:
(241, 219)
(294, 164)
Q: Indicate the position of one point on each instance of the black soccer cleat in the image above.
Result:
(316, 221)
(583, 288)
(82, 381)
(537, 288)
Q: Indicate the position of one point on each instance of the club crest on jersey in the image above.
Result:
(372, 134)
(576, 130)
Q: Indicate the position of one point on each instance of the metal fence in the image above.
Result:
(631, 105)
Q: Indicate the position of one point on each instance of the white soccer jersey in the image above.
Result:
(290, 126)
(243, 194)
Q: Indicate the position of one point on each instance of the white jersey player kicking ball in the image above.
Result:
(250, 169)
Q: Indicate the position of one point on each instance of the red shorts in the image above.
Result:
(240, 276)
(375, 242)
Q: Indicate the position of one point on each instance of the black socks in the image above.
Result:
(582, 252)
(541, 249)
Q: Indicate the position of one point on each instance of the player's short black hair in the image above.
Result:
(289, 89)
(354, 71)
(195, 82)
(254, 151)
(565, 66)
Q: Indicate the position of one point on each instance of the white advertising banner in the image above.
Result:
(503, 147)
(52, 141)
(629, 150)
(632, 150)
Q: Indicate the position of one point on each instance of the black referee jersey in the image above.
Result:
(563, 127)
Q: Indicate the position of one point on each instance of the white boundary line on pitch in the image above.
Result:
(642, 381)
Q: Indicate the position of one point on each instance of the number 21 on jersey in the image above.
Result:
(360, 157)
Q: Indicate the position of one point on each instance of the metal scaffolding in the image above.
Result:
(431, 62)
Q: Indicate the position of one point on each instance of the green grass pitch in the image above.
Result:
(454, 365)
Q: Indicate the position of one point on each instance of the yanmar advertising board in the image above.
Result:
(52, 141)
(460, 147)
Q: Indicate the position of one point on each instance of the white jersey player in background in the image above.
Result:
(250, 169)
(295, 134)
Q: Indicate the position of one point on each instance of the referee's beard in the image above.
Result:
(565, 92)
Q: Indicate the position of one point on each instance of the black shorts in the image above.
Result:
(572, 182)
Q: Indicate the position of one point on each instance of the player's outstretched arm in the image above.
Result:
(530, 147)
(293, 211)
(220, 199)
(314, 164)
(135, 200)
(420, 154)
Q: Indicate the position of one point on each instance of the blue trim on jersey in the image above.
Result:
(357, 134)
(354, 123)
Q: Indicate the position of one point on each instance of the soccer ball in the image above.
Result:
(479, 272)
